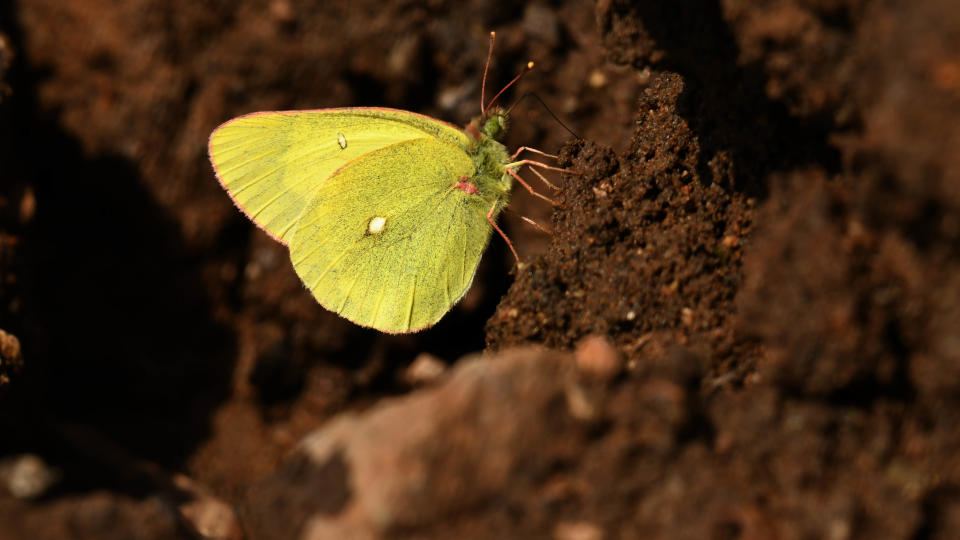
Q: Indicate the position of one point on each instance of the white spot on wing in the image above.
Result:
(342, 141)
(377, 223)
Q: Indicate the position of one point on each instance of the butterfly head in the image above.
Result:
(496, 124)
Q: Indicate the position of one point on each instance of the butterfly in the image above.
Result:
(385, 212)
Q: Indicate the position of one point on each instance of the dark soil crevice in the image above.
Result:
(117, 321)
(724, 100)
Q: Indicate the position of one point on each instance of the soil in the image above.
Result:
(762, 218)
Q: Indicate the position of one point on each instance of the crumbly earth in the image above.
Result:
(763, 222)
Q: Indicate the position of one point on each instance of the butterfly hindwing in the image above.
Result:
(271, 163)
(389, 241)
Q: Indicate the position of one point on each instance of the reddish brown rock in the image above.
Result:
(440, 451)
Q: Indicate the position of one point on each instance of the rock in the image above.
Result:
(596, 357)
(213, 518)
(29, 476)
(424, 369)
(438, 451)
(577, 530)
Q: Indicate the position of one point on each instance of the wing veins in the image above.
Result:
(349, 292)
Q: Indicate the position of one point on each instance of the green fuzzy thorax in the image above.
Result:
(490, 157)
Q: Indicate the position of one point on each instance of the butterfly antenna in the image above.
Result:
(555, 117)
(483, 85)
(523, 72)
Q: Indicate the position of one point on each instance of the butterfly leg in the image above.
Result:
(536, 172)
(534, 150)
(544, 179)
(494, 225)
(523, 183)
(535, 224)
(532, 164)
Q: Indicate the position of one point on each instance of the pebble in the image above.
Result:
(29, 477)
(597, 357)
(424, 369)
(577, 530)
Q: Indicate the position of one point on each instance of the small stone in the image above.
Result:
(425, 369)
(596, 357)
(577, 530)
(213, 518)
(597, 79)
(282, 11)
(29, 477)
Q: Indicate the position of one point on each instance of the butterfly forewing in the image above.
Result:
(389, 241)
(272, 163)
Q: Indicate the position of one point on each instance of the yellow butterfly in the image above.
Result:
(386, 212)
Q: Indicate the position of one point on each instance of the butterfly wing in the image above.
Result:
(389, 241)
(271, 163)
